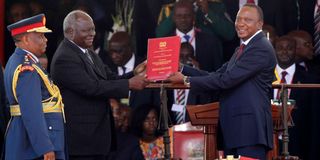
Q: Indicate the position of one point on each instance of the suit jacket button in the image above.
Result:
(50, 127)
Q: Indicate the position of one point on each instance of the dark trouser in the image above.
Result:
(93, 157)
(256, 151)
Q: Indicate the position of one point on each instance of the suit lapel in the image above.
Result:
(252, 41)
(87, 62)
(97, 67)
(233, 59)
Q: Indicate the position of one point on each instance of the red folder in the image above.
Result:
(162, 57)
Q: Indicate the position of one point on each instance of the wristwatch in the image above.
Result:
(186, 80)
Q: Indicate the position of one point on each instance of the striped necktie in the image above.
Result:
(317, 31)
(180, 99)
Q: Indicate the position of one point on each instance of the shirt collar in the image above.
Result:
(180, 34)
(32, 55)
(130, 64)
(82, 49)
(248, 40)
(290, 70)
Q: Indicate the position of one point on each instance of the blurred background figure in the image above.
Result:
(183, 18)
(305, 101)
(187, 55)
(121, 59)
(17, 11)
(144, 124)
(125, 115)
(210, 17)
(44, 61)
(4, 112)
(127, 144)
(270, 33)
(305, 56)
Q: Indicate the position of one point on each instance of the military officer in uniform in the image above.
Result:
(36, 129)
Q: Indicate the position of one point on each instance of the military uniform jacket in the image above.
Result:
(34, 132)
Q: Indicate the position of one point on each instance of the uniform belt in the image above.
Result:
(47, 107)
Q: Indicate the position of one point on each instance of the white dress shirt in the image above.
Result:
(129, 66)
(290, 73)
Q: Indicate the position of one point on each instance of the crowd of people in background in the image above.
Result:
(99, 98)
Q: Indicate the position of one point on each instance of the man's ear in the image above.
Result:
(25, 39)
(260, 24)
(69, 32)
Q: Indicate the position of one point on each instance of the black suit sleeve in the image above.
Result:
(72, 73)
(251, 62)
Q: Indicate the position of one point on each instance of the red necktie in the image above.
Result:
(239, 53)
(250, 1)
(283, 80)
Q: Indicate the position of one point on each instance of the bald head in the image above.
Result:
(78, 27)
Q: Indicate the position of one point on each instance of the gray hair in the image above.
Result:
(70, 19)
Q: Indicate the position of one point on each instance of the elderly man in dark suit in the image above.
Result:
(245, 85)
(86, 85)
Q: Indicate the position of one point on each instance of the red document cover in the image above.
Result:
(163, 57)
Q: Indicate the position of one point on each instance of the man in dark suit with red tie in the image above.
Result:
(245, 86)
(86, 86)
(302, 133)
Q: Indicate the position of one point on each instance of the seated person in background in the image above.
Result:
(115, 108)
(127, 145)
(125, 114)
(291, 73)
(305, 55)
(123, 60)
(187, 55)
(44, 61)
(144, 124)
(178, 99)
(211, 17)
(270, 33)
(207, 47)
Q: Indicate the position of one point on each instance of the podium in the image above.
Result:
(206, 115)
